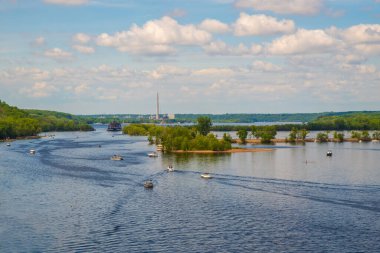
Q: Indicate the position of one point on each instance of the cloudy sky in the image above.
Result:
(202, 56)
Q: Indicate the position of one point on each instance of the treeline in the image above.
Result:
(15, 122)
(179, 138)
(359, 121)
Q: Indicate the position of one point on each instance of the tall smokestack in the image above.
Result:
(158, 108)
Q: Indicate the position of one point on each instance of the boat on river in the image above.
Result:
(206, 175)
(153, 154)
(329, 153)
(170, 168)
(32, 151)
(116, 158)
(8, 144)
(114, 126)
(148, 184)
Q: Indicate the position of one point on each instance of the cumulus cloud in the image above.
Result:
(155, 37)
(213, 72)
(84, 49)
(39, 90)
(221, 48)
(166, 70)
(57, 53)
(302, 42)
(67, 2)
(265, 66)
(261, 25)
(363, 33)
(214, 26)
(299, 7)
(81, 38)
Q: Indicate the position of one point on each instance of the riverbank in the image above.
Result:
(22, 138)
(283, 140)
(229, 151)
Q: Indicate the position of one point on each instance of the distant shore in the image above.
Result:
(258, 141)
(22, 138)
(234, 150)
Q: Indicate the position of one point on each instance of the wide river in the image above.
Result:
(70, 197)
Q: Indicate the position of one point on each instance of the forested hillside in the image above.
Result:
(15, 122)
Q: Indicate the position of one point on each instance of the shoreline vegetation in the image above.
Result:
(228, 151)
(17, 123)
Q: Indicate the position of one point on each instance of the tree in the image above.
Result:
(323, 137)
(227, 137)
(204, 125)
(293, 135)
(339, 136)
(242, 134)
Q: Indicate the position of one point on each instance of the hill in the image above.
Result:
(15, 122)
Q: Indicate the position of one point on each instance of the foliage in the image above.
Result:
(227, 138)
(339, 136)
(323, 137)
(266, 133)
(15, 122)
(356, 135)
(204, 125)
(178, 138)
(242, 135)
(376, 135)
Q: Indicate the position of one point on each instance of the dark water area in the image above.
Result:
(70, 197)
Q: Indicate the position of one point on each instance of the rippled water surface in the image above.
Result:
(70, 197)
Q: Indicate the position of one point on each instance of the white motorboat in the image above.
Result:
(152, 154)
(32, 151)
(148, 184)
(170, 168)
(116, 158)
(8, 144)
(206, 176)
(329, 153)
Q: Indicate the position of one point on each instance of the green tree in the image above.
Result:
(204, 125)
(323, 137)
(376, 135)
(227, 137)
(242, 134)
(339, 136)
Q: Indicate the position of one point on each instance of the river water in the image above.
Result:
(70, 197)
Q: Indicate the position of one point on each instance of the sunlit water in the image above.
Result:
(70, 197)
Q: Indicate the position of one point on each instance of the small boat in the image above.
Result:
(206, 176)
(329, 153)
(148, 184)
(8, 144)
(152, 154)
(32, 151)
(116, 158)
(170, 168)
(114, 126)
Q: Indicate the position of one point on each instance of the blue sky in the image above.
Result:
(210, 56)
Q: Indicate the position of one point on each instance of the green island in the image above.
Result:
(16, 123)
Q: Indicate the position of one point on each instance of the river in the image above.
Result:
(70, 197)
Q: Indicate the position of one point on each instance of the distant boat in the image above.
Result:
(170, 168)
(152, 154)
(116, 158)
(32, 151)
(206, 176)
(114, 126)
(148, 184)
(8, 144)
(329, 153)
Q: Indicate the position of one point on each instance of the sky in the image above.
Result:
(209, 56)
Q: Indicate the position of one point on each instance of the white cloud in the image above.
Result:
(81, 38)
(299, 7)
(166, 70)
(261, 25)
(214, 26)
(39, 90)
(363, 33)
(265, 66)
(221, 48)
(213, 72)
(84, 49)
(66, 2)
(57, 53)
(303, 42)
(40, 41)
(155, 37)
